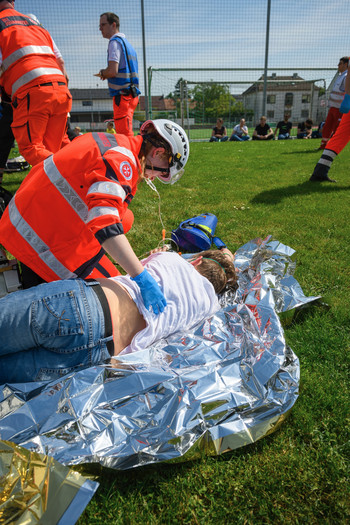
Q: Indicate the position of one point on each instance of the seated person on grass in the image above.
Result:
(283, 128)
(56, 328)
(305, 129)
(219, 133)
(240, 132)
(262, 130)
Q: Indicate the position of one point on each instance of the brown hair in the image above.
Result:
(112, 17)
(219, 269)
(150, 140)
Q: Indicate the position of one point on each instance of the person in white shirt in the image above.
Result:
(335, 99)
(55, 328)
(240, 132)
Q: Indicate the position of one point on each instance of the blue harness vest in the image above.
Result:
(128, 75)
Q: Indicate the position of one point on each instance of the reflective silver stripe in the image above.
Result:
(109, 188)
(99, 211)
(124, 151)
(35, 73)
(127, 75)
(118, 86)
(325, 162)
(65, 189)
(24, 51)
(38, 245)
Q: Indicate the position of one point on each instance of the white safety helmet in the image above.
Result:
(177, 139)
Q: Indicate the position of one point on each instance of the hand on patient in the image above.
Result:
(151, 293)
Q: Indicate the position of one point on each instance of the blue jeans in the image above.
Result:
(215, 139)
(50, 330)
(239, 139)
(283, 136)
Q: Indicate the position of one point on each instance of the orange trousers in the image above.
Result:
(342, 136)
(39, 120)
(123, 111)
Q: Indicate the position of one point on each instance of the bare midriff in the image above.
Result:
(126, 318)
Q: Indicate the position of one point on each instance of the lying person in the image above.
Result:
(56, 328)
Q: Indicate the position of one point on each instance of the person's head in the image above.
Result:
(109, 24)
(7, 3)
(242, 122)
(220, 122)
(286, 117)
(77, 129)
(343, 64)
(262, 120)
(309, 122)
(165, 150)
(109, 125)
(217, 267)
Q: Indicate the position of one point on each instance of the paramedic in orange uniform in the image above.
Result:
(32, 77)
(71, 208)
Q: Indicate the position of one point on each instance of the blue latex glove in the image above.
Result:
(345, 105)
(151, 293)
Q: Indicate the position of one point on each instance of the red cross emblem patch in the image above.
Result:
(126, 170)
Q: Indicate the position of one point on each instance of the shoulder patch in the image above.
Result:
(126, 170)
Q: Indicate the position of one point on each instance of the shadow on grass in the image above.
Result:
(313, 150)
(276, 195)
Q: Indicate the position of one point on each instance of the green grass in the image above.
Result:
(300, 473)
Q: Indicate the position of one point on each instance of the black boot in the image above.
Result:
(320, 174)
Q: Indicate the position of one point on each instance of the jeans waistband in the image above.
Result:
(106, 313)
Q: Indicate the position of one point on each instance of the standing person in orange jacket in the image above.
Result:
(72, 207)
(36, 83)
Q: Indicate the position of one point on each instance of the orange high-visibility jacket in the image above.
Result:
(28, 58)
(70, 203)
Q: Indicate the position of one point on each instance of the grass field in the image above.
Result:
(299, 474)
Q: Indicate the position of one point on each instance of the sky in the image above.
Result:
(192, 34)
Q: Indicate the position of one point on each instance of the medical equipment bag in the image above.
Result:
(197, 234)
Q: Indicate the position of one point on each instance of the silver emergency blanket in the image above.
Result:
(226, 383)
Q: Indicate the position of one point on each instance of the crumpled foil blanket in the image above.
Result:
(226, 383)
(37, 489)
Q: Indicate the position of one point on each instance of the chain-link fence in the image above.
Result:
(199, 45)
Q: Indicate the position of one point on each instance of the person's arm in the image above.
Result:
(255, 133)
(62, 67)
(277, 128)
(269, 133)
(244, 130)
(120, 250)
(110, 71)
(224, 132)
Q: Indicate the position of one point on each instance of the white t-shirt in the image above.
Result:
(337, 93)
(115, 51)
(238, 131)
(190, 298)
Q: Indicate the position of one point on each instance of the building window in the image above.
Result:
(305, 113)
(288, 99)
(271, 99)
(306, 98)
(270, 113)
(87, 103)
